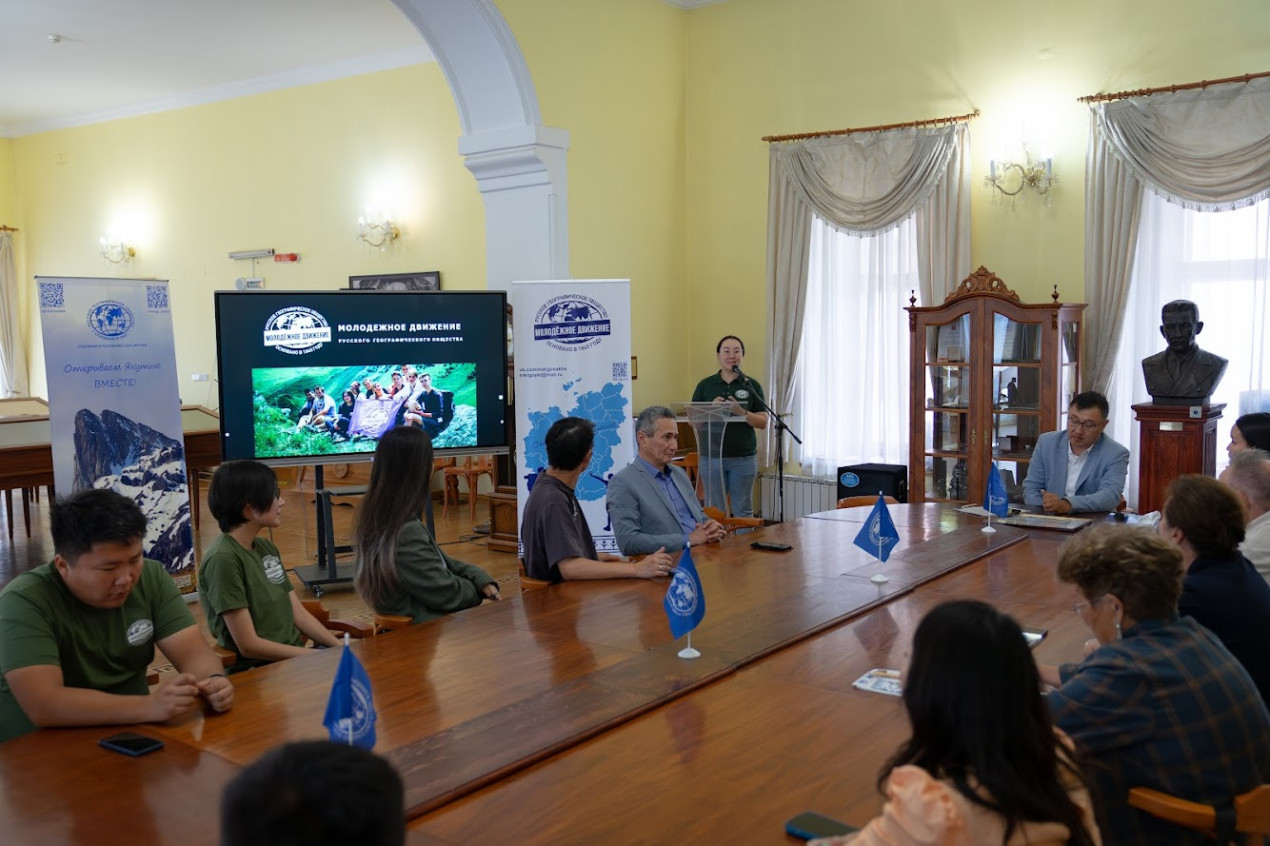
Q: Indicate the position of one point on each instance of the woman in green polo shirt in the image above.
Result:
(734, 480)
(250, 604)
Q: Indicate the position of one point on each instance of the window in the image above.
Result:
(851, 394)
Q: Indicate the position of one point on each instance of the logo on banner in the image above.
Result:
(110, 319)
(297, 330)
(571, 322)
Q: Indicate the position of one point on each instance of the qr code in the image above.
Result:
(621, 370)
(52, 295)
(157, 297)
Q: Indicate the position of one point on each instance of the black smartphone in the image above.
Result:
(769, 545)
(1033, 636)
(130, 743)
(810, 825)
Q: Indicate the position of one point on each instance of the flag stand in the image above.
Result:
(878, 578)
(688, 652)
(988, 528)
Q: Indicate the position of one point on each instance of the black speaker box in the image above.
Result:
(870, 479)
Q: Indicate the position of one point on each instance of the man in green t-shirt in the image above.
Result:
(77, 634)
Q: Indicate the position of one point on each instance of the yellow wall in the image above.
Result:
(771, 67)
(289, 169)
(612, 74)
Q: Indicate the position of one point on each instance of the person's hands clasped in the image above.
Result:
(711, 531)
(1055, 504)
(218, 691)
(655, 565)
(173, 697)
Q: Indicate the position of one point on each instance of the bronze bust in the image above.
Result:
(1182, 374)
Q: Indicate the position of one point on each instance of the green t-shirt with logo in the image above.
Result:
(106, 649)
(233, 577)
(738, 437)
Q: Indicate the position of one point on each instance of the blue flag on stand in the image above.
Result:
(685, 601)
(878, 535)
(996, 499)
(350, 712)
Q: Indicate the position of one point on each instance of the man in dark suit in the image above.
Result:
(651, 503)
(1182, 374)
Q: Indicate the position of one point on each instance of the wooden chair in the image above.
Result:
(527, 583)
(385, 623)
(733, 523)
(1252, 812)
(470, 470)
(855, 501)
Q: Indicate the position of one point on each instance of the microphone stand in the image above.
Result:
(781, 428)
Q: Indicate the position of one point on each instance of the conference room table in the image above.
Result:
(565, 714)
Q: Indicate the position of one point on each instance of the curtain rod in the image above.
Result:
(1147, 92)
(7, 229)
(771, 139)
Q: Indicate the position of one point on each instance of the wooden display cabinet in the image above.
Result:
(988, 375)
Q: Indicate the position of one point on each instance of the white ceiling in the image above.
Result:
(115, 58)
(124, 57)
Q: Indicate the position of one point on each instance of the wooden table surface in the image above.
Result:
(526, 706)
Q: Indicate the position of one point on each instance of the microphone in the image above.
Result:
(738, 372)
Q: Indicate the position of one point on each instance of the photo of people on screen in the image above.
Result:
(296, 414)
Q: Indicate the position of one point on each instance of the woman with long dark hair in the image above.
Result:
(984, 763)
(400, 569)
(1251, 431)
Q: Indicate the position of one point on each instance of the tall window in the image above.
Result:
(1221, 262)
(851, 395)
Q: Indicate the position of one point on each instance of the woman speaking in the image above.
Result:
(733, 478)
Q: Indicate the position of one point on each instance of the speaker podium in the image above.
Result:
(709, 421)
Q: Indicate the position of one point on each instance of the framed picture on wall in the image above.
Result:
(424, 280)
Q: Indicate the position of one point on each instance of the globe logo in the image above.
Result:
(571, 322)
(682, 597)
(296, 330)
(110, 319)
(849, 480)
(363, 719)
(876, 537)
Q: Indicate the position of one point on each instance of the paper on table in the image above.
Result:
(880, 681)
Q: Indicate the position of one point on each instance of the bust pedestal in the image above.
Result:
(1174, 440)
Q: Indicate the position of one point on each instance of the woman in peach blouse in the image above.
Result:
(984, 764)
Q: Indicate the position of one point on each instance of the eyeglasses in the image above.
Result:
(1081, 606)
(1086, 425)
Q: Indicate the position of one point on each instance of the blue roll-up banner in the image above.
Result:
(114, 406)
(573, 357)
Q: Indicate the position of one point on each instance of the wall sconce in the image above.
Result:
(377, 230)
(116, 251)
(1010, 178)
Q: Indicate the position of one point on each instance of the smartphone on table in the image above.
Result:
(809, 825)
(130, 743)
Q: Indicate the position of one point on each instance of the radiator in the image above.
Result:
(803, 495)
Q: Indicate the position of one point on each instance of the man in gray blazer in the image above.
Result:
(652, 505)
(1080, 469)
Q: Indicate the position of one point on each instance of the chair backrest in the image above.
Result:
(385, 623)
(732, 523)
(528, 583)
(855, 501)
(1252, 811)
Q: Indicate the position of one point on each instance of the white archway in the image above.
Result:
(519, 164)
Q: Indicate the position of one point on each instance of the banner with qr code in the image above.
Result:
(572, 343)
(114, 407)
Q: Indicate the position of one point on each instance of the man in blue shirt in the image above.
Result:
(651, 503)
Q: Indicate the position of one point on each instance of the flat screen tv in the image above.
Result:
(308, 375)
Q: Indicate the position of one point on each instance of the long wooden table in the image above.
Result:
(500, 703)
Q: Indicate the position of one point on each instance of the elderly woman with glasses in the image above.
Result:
(251, 606)
(1158, 701)
(1205, 519)
(1080, 469)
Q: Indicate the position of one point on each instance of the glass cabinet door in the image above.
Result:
(947, 409)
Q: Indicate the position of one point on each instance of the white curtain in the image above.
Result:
(852, 402)
(13, 378)
(863, 184)
(1205, 149)
(1221, 262)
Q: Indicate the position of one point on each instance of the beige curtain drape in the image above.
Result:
(862, 184)
(13, 378)
(1205, 148)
